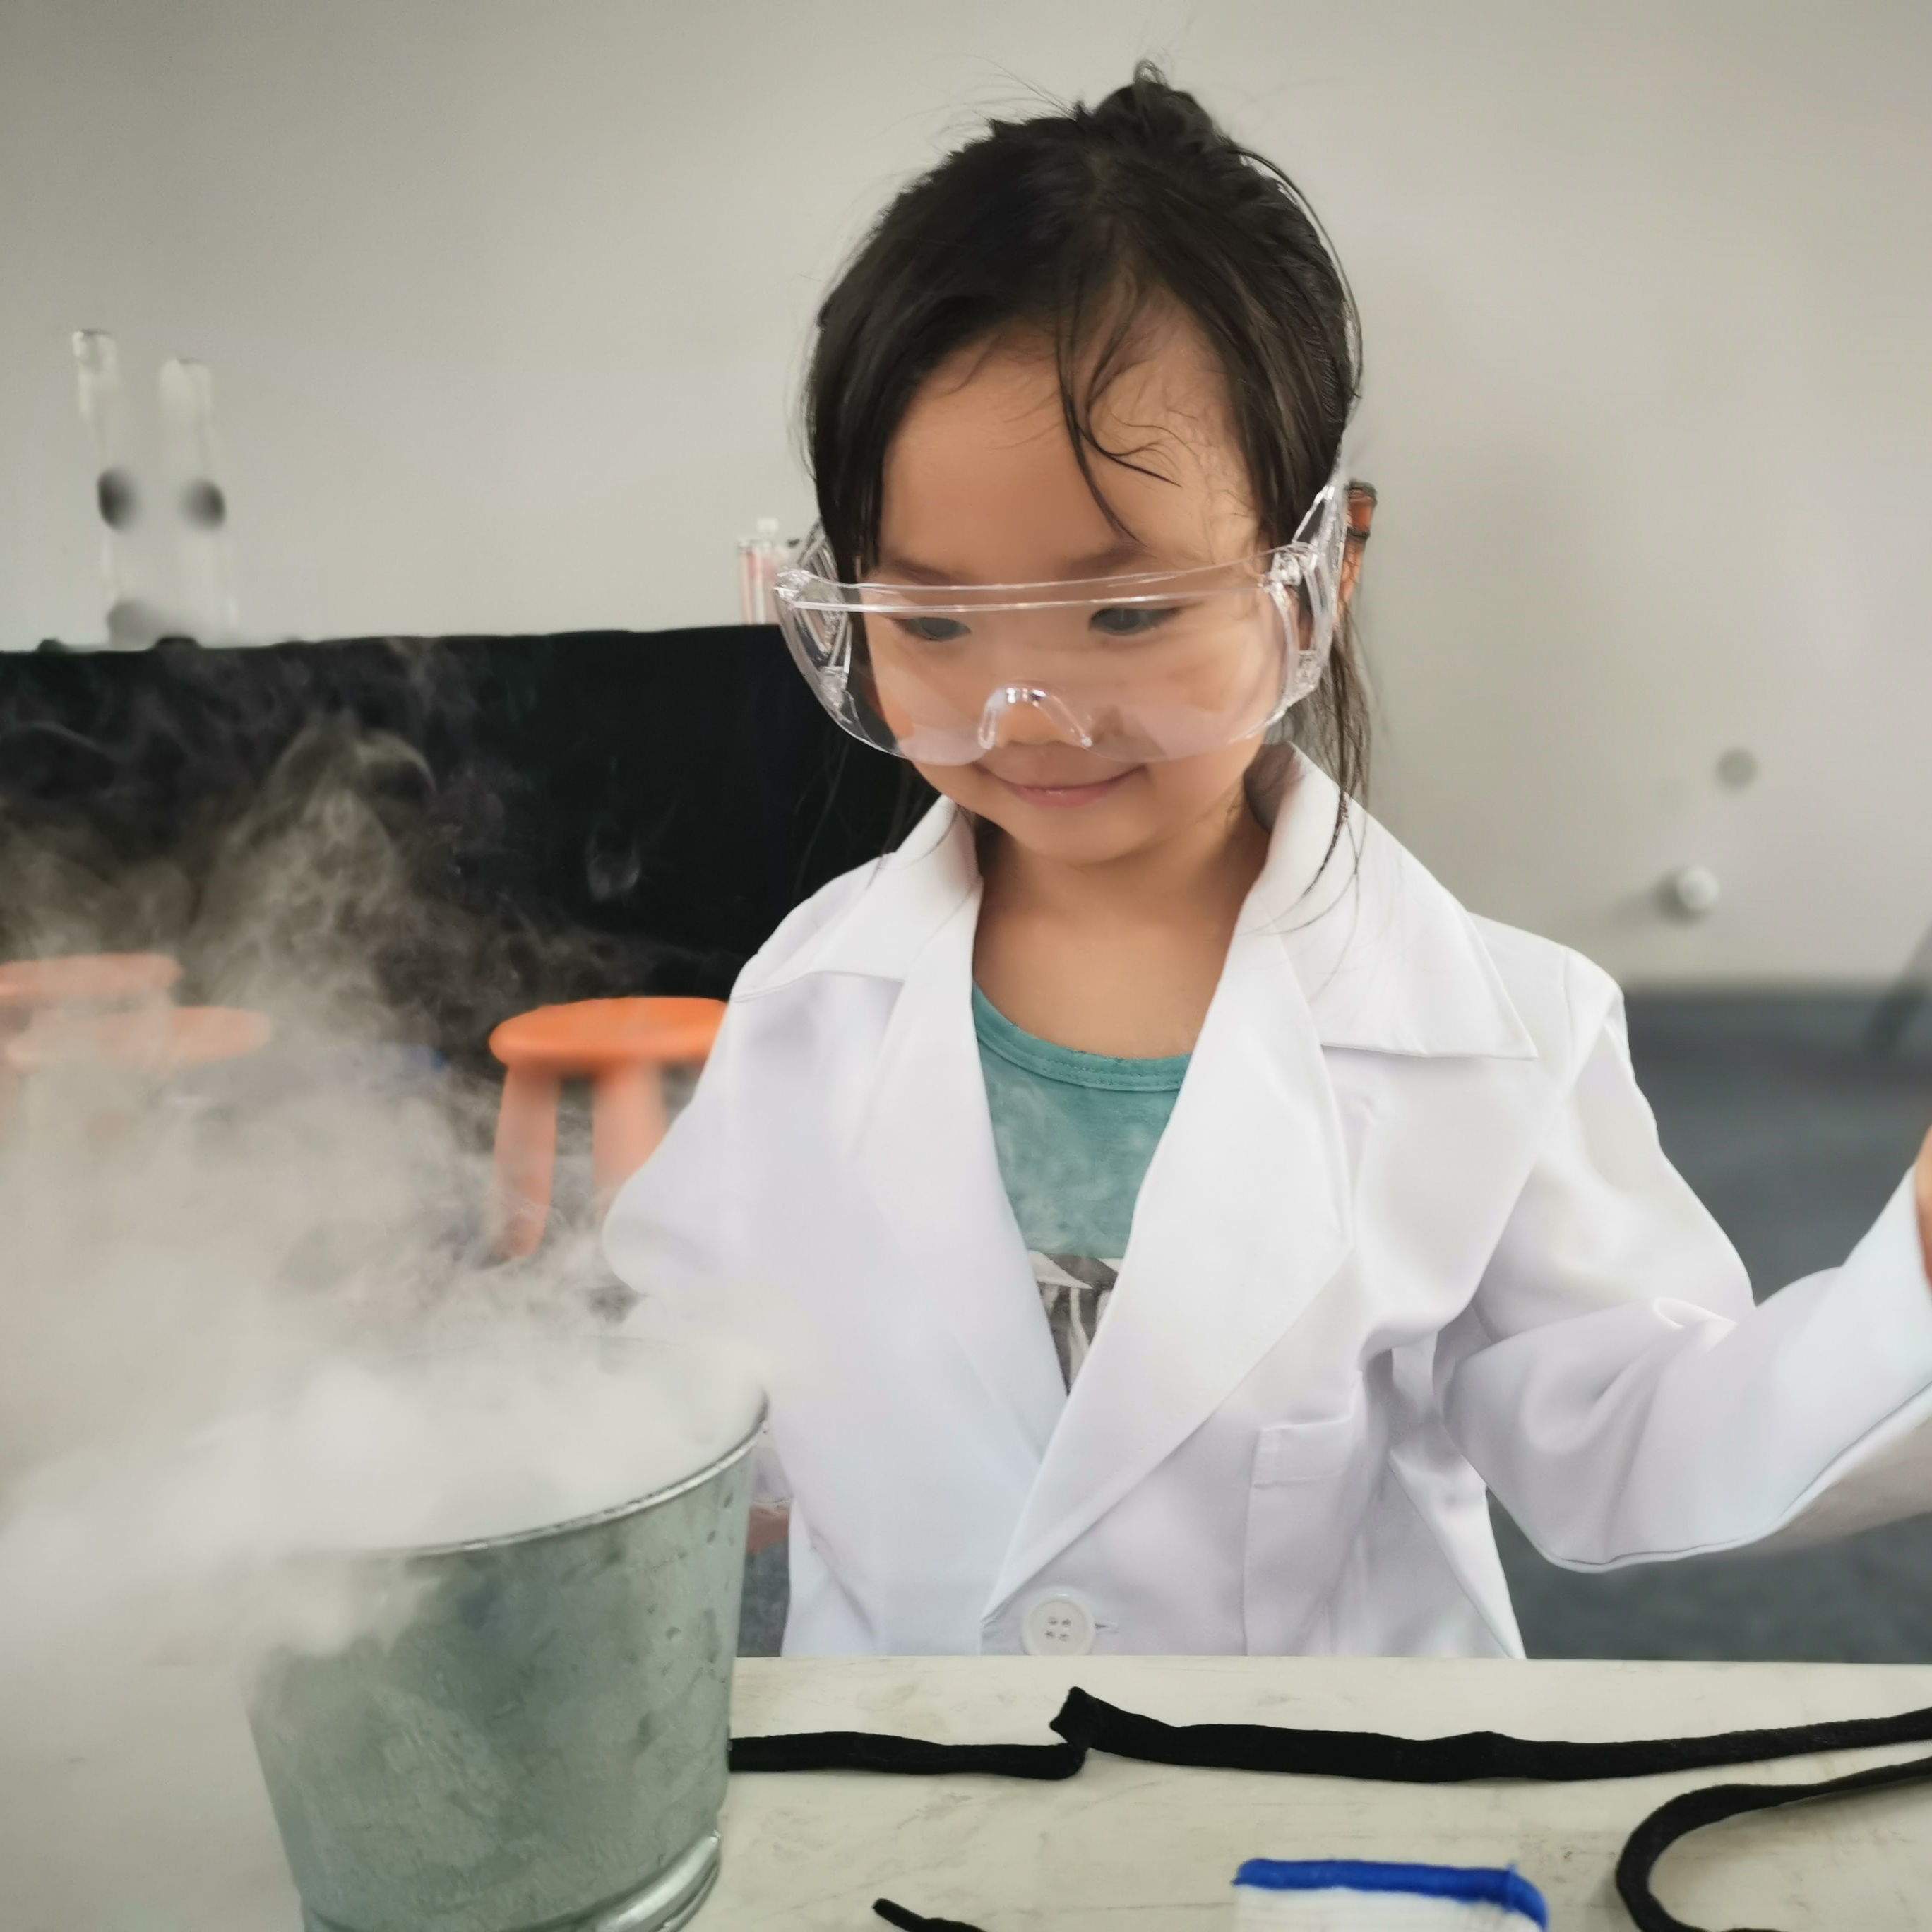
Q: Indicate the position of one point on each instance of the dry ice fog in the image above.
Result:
(249, 1315)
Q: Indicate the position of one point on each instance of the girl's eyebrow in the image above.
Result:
(1096, 563)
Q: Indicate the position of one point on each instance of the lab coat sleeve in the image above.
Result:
(672, 1234)
(668, 1235)
(1612, 1383)
(677, 1232)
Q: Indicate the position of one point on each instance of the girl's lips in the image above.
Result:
(1061, 796)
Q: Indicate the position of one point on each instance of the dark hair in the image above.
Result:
(1078, 223)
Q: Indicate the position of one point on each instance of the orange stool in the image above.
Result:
(158, 1040)
(103, 980)
(36, 990)
(622, 1047)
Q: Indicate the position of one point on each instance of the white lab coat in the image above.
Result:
(1408, 1232)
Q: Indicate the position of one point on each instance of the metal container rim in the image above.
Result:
(614, 1512)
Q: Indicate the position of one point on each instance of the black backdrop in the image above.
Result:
(673, 793)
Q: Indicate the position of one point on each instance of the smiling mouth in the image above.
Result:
(1063, 796)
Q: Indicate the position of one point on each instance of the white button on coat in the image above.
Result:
(1057, 1626)
(1408, 1232)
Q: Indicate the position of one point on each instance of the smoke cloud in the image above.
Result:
(249, 1316)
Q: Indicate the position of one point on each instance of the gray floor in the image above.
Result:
(1794, 1135)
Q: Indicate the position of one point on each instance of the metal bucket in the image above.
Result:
(543, 1745)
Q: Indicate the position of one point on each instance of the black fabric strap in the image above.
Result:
(1087, 1722)
(1696, 1809)
(904, 1757)
(913, 1921)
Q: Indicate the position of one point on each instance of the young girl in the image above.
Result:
(1180, 1208)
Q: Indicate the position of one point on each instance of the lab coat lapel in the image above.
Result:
(924, 1150)
(1245, 1213)
(1243, 1216)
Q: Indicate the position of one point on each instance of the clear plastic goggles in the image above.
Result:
(1134, 669)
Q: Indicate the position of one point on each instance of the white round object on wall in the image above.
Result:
(1691, 892)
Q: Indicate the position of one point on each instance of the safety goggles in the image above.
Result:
(1133, 669)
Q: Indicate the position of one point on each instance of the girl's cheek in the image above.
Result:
(1183, 788)
(960, 783)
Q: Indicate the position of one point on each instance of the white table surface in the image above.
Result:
(152, 1818)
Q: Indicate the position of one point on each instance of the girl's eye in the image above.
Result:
(932, 630)
(1126, 620)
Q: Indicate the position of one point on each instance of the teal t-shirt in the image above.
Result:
(1074, 1132)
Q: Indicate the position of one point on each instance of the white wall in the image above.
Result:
(504, 300)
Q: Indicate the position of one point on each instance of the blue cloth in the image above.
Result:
(1475, 1885)
(1074, 1132)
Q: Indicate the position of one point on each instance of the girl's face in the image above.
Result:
(981, 487)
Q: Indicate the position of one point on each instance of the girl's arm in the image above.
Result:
(1614, 1384)
(768, 1526)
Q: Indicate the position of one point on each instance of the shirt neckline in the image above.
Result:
(998, 1035)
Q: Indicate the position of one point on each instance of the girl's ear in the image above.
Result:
(1361, 514)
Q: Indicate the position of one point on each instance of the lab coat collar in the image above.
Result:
(1387, 961)
(1245, 1211)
